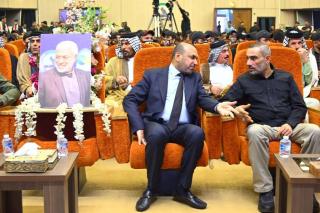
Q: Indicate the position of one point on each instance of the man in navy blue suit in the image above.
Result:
(172, 95)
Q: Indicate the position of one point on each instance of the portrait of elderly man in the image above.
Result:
(119, 69)
(64, 82)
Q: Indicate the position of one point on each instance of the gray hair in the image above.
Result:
(68, 45)
(264, 48)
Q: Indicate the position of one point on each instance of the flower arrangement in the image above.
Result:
(61, 118)
(78, 122)
(103, 109)
(34, 64)
(25, 115)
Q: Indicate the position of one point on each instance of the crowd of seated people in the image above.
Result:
(119, 70)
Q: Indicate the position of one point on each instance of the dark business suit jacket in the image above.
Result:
(153, 89)
(51, 90)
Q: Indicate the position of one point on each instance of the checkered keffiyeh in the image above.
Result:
(134, 42)
(1, 43)
(214, 54)
(286, 41)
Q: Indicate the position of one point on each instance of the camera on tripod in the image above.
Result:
(169, 4)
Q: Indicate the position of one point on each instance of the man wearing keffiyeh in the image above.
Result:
(294, 39)
(119, 69)
(218, 73)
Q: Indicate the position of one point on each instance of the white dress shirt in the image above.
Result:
(173, 81)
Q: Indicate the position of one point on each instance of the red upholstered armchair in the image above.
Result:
(111, 51)
(5, 64)
(20, 45)
(127, 149)
(236, 148)
(12, 49)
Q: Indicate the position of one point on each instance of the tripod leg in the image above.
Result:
(157, 26)
(151, 21)
(175, 23)
(165, 23)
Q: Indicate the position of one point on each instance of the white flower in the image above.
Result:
(26, 112)
(61, 118)
(103, 109)
(78, 121)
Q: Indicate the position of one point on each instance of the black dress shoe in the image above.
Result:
(191, 200)
(145, 201)
(316, 208)
(266, 202)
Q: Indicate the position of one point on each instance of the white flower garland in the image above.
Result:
(26, 112)
(61, 118)
(25, 115)
(78, 122)
(103, 109)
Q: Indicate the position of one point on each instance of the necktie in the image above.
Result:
(177, 105)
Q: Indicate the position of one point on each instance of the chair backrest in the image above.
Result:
(146, 45)
(111, 52)
(99, 56)
(20, 45)
(148, 58)
(273, 44)
(5, 64)
(244, 45)
(203, 52)
(12, 49)
(153, 57)
(281, 57)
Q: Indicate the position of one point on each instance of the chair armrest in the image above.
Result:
(121, 135)
(230, 140)
(104, 141)
(315, 92)
(212, 127)
(314, 115)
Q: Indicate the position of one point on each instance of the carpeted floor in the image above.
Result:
(114, 187)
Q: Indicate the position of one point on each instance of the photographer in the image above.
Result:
(185, 24)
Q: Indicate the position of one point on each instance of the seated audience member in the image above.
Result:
(263, 36)
(316, 50)
(198, 37)
(168, 38)
(210, 36)
(218, 73)
(119, 69)
(274, 107)
(14, 62)
(3, 25)
(171, 116)
(233, 38)
(28, 65)
(278, 36)
(9, 94)
(147, 36)
(294, 39)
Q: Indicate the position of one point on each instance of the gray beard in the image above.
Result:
(255, 72)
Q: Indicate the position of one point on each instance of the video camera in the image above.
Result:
(155, 3)
(169, 4)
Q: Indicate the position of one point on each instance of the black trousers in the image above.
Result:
(157, 134)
